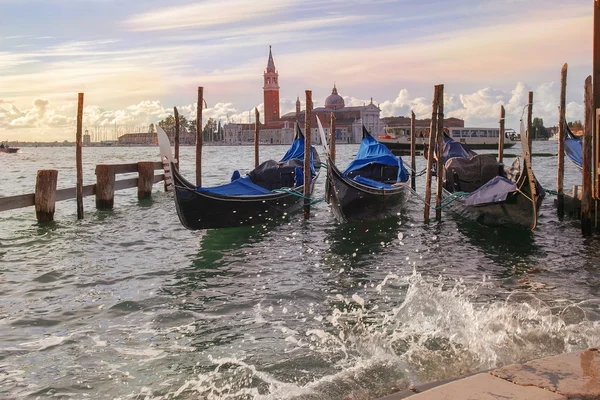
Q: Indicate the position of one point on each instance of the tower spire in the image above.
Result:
(270, 63)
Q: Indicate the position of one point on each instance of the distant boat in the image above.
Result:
(6, 149)
(475, 138)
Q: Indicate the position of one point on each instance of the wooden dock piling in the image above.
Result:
(79, 156)
(586, 199)
(145, 179)
(530, 126)
(413, 150)
(105, 187)
(332, 137)
(256, 136)
(307, 154)
(501, 135)
(440, 152)
(432, 129)
(176, 113)
(45, 195)
(199, 136)
(560, 175)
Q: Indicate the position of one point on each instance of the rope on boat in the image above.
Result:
(551, 192)
(413, 171)
(446, 202)
(294, 193)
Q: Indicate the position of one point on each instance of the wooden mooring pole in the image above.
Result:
(501, 135)
(176, 113)
(596, 103)
(199, 136)
(256, 136)
(560, 173)
(332, 137)
(586, 199)
(413, 150)
(307, 154)
(530, 126)
(45, 195)
(105, 187)
(145, 179)
(433, 128)
(79, 156)
(440, 153)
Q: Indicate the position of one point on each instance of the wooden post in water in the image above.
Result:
(440, 153)
(256, 135)
(560, 175)
(586, 199)
(105, 187)
(176, 113)
(434, 105)
(501, 135)
(79, 157)
(199, 136)
(307, 153)
(596, 99)
(145, 179)
(332, 137)
(45, 195)
(530, 126)
(413, 149)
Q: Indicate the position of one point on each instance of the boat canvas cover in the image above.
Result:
(372, 183)
(454, 149)
(373, 152)
(296, 150)
(574, 148)
(494, 191)
(239, 187)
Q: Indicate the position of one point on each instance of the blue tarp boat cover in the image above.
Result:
(372, 183)
(494, 191)
(574, 148)
(239, 187)
(371, 151)
(453, 149)
(296, 150)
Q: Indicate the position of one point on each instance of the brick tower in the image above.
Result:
(271, 91)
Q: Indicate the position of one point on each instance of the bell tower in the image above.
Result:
(271, 91)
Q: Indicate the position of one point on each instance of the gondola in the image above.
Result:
(374, 184)
(267, 193)
(476, 186)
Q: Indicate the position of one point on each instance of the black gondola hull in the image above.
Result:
(351, 200)
(203, 210)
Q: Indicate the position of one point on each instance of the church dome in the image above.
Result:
(334, 100)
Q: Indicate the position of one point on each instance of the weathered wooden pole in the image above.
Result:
(145, 179)
(332, 137)
(596, 99)
(105, 187)
(199, 136)
(432, 129)
(530, 125)
(256, 135)
(307, 153)
(440, 153)
(176, 113)
(586, 199)
(560, 174)
(45, 195)
(501, 135)
(79, 156)
(413, 150)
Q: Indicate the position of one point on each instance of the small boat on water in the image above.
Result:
(373, 185)
(6, 149)
(268, 192)
(475, 138)
(478, 187)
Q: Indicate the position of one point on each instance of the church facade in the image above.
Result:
(279, 129)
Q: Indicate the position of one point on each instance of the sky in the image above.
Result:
(137, 59)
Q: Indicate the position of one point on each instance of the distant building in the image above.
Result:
(150, 138)
(400, 126)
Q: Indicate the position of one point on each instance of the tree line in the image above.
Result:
(212, 131)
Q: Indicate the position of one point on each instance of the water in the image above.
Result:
(128, 304)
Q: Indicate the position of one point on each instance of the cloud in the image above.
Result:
(205, 14)
(38, 116)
